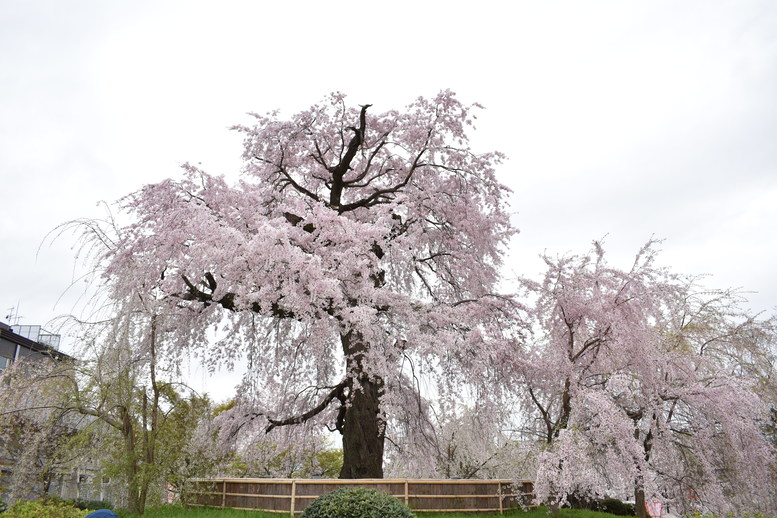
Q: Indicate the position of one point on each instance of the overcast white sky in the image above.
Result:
(625, 119)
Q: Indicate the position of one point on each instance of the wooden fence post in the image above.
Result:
(223, 494)
(293, 495)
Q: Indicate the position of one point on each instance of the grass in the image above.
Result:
(201, 512)
(174, 511)
(537, 512)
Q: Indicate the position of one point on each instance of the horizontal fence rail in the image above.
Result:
(291, 496)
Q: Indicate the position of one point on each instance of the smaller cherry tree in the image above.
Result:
(461, 443)
(33, 431)
(289, 452)
(635, 383)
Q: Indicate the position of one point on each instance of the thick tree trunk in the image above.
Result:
(363, 428)
(639, 500)
(639, 484)
(363, 434)
(134, 504)
(133, 496)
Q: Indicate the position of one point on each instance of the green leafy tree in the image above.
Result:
(115, 410)
(32, 432)
(143, 423)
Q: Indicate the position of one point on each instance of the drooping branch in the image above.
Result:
(338, 392)
(102, 415)
(338, 171)
(591, 342)
(285, 176)
(354, 182)
(296, 220)
(381, 195)
(227, 301)
(545, 415)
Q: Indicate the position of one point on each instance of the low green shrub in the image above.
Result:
(44, 509)
(615, 506)
(577, 501)
(356, 502)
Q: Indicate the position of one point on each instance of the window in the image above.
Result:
(4, 362)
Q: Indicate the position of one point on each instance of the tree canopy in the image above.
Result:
(356, 243)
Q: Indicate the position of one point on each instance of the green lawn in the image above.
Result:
(538, 512)
(198, 512)
(170, 511)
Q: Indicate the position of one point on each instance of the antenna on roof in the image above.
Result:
(14, 316)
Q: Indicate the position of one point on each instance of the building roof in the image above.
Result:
(7, 333)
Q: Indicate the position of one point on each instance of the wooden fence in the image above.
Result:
(293, 495)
